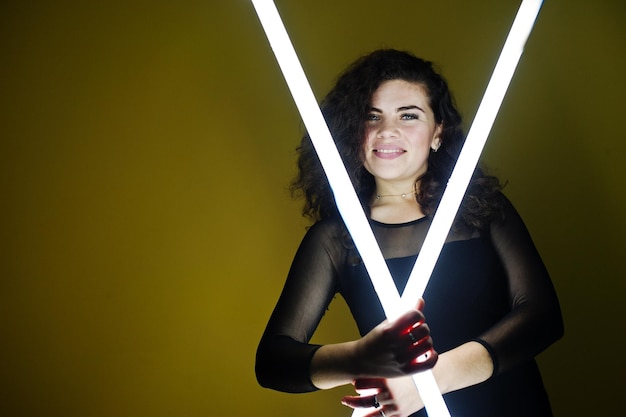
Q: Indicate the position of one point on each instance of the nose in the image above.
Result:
(387, 129)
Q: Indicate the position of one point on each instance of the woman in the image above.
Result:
(490, 304)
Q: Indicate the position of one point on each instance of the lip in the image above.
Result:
(388, 152)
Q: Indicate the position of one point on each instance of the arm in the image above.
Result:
(284, 353)
(285, 359)
(466, 365)
(534, 321)
(532, 324)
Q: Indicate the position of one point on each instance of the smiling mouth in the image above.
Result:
(389, 151)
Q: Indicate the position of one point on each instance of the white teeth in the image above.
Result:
(388, 151)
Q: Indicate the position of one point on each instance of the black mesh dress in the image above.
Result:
(489, 287)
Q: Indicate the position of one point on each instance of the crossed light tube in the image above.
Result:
(346, 198)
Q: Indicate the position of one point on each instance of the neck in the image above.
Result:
(395, 208)
(408, 194)
(394, 191)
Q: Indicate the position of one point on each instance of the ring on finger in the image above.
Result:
(376, 403)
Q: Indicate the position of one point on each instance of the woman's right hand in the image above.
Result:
(397, 348)
(400, 347)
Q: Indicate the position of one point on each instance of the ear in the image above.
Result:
(436, 142)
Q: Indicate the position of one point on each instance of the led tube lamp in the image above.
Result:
(468, 158)
(345, 196)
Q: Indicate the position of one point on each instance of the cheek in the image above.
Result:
(420, 136)
(363, 157)
(365, 153)
(368, 135)
(366, 143)
(367, 167)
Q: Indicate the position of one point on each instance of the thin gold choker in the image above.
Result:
(403, 195)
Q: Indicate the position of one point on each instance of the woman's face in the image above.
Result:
(399, 134)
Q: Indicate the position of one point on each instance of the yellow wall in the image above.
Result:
(145, 151)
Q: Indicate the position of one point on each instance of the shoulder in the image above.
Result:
(508, 213)
(510, 227)
(328, 229)
(326, 240)
(330, 233)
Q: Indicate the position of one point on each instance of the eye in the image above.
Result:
(409, 116)
(373, 117)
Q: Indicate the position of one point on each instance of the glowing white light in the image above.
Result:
(468, 158)
(345, 195)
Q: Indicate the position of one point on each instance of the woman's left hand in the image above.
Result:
(385, 397)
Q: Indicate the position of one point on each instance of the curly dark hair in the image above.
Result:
(346, 108)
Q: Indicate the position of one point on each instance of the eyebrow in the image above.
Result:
(399, 109)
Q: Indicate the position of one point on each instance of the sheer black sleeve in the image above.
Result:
(534, 321)
(284, 354)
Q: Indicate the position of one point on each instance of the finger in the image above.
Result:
(405, 323)
(387, 411)
(414, 347)
(369, 383)
(416, 334)
(363, 401)
(413, 341)
(417, 352)
(422, 363)
(420, 304)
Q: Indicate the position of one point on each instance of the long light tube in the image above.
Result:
(345, 196)
(474, 144)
